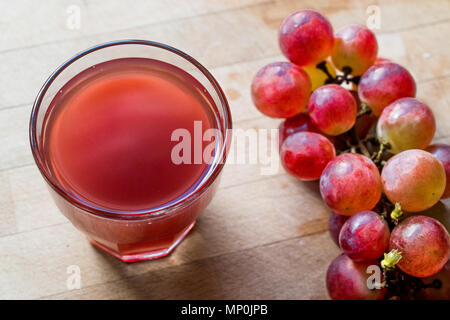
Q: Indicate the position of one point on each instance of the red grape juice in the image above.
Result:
(107, 141)
(108, 133)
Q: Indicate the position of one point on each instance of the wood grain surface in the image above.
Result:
(262, 237)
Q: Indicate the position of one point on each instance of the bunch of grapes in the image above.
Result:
(352, 122)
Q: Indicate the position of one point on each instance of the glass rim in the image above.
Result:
(164, 209)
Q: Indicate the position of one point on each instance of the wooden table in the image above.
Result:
(262, 237)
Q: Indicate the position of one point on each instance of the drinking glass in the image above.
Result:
(144, 234)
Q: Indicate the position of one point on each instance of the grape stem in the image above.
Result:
(435, 284)
(403, 286)
(364, 110)
(339, 79)
(396, 213)
(391, 259)
(377, 156)
(323, 66)
(363, 148)
(361, 145)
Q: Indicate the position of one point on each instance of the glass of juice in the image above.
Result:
(131, 137)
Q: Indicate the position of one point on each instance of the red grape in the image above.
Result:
(305, 154)
(306, 37)
(424, 244)
(441, 293)
(384, 83)
(350, 183)
(332, 109)
(406, 124)
(355, 46)
(347, 280)
(442, 152)
(335, 223)
(281, 90)
(415, 179)
(298, 123)
(365, 236)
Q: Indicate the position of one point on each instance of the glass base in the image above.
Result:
(154, 254)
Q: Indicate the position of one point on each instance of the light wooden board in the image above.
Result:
(262, 236)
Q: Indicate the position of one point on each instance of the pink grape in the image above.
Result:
(335, 223)
(306, 37)
(298, 123)
(332, 109)
(415, 179)
(384, 83)
(364, 236)
(406, 124)
(355, 46)
(424, 244)
(350, 183)
(440, 212)
(281, 90)
(305, 154)
(442, 152)
(441, 293)
(347, 280)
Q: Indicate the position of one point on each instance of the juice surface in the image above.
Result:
(107, 136)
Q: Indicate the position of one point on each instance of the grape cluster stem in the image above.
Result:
(339, 79)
